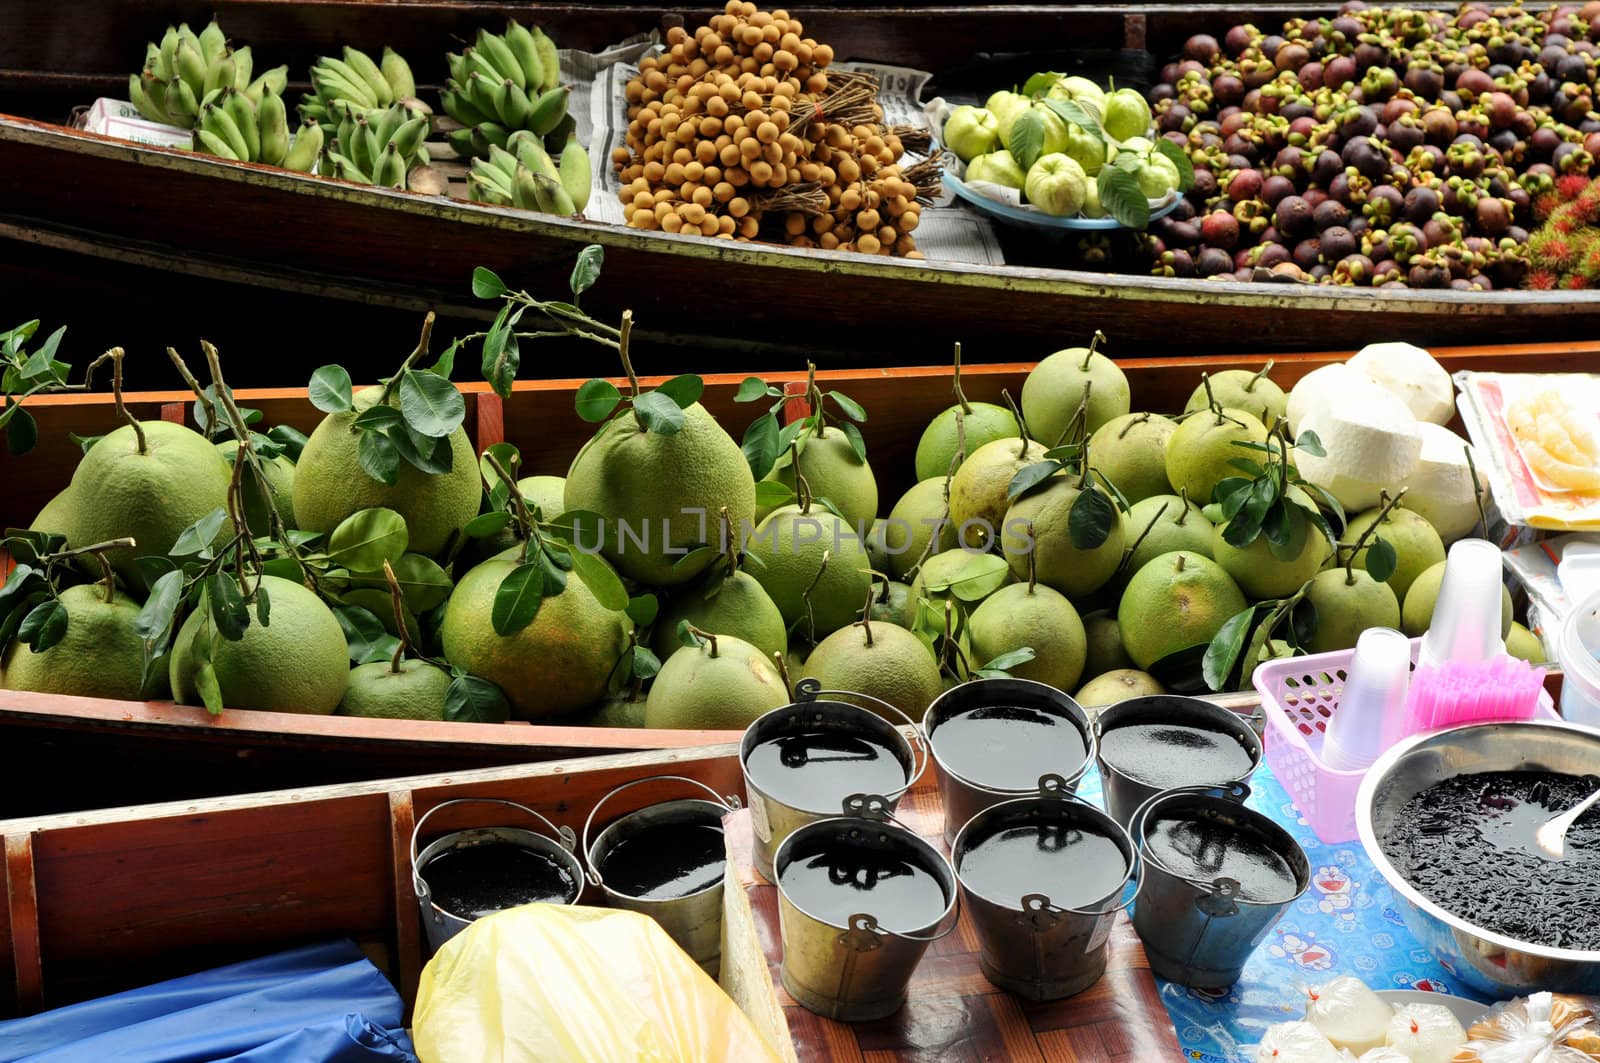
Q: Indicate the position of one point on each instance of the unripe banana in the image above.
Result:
(576, 174)
(550, 109)
(137, 97)
(549, 59)
(530, 152)
(502, 160)
(409, 137)
(458, 106)
(461, 142)
(187, 36)
(273, 126)
(521, 43)
(244, 117)
(385, 122)
(369, 73)
(244, 66)
(209, 142)
(476, 60)
(486, 133)
(181, 102)
(517, 109)
(494, 177)
(525, 192)
(397, 72)
(556, 139)
(551, 190)
(488, 96)
(274, 81)
(216, 120)
(305, 149)
(391, 169)
(167, 67)
(362, 147)
(219, 75)
(346, 169)
(155, 90)
(191, 68)
(499, 53)
(213, 42)
(333, 84)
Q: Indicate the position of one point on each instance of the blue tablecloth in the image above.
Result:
(1346, 923)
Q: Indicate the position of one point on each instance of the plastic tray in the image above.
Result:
(1036, 219)
(1299, 695)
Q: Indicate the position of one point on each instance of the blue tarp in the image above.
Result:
(318, 1004)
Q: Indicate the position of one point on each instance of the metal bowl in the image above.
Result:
(1492, 964)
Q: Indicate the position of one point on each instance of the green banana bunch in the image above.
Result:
(503, 84)
(378, 147)
(232, 126)
(356, 84)
(524, 175)
(186, 71)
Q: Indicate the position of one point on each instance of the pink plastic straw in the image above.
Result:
(1461, 692)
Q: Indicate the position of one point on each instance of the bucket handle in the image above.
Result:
(811, 689)
(730, 802)
(563, 835)
(1232, 791)
(1041, 914)
(863, 924)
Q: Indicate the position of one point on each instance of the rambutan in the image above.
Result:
(1551, 251)
(1563, 222)
(1545, 204)
(1591, 262)
(1571, 185)
(1542, 280)
(1574, 282)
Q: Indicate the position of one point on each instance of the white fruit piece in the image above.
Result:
(1320, 387)
(1372, 443)
(1349, 1014)
(1426, 1033)
(1410, 374)
(1296, 1042)
(1440, 486)
(1384, 1054)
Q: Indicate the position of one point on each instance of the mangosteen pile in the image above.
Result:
(1382, 147)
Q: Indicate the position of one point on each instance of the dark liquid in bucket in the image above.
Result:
(1204, 850)
(817, 770)
(844, 879)
(665, 861)
(1075, 868)
(472, 881)
(1166, 755)
(1007, 747)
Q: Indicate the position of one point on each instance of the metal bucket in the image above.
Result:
(441, 925)
(772, 819)
(858, 971)
(1124, 793)
(1199, 933)
(1028, 945)
(963, 798)
(694, 920)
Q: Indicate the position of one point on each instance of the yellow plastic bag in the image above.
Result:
(548, 982)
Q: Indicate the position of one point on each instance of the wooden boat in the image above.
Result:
(103, 901)
(161, 213)
(184, 752)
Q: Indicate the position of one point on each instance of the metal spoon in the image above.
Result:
(1551, 836)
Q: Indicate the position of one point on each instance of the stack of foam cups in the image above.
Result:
(1372, 707)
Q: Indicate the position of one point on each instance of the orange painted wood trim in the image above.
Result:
(490, 420)
(795, 406)
(173, 411)
(408, 941)
(22, 905)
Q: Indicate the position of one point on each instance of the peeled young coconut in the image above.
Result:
(1410, 374)
(1371, 444)
(1426, 1033)
(1296, 1042)
(1321, 387)
(1440, 485)
(1349, 1014)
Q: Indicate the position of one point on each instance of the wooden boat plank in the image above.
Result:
(22, 921)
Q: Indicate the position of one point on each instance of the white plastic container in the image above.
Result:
(1580, 681)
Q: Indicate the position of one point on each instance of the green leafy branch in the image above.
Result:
(1272, 499)
(1094, 512)
(30, 601)
(767, 437)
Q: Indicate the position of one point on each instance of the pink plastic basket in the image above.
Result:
(1299, 695)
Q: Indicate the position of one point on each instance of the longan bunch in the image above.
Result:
(875, 217)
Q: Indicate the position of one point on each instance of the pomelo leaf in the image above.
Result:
(1031, 476)
(1066, 453)
(684, 390)
(486, 284)
(431, 404)
(44, 626)
(228, 611)
(292, 440)
(1090, 519)
(330, 389)
(1181, 672)
(1246, 465)
(485, 525)
(658, 413)
(10, 621)
(1302, 622)
(22, 433)
(596, 399)
(1007, 661)
(198, 537)
(857, 444)
(601, 581)
(1381, 559)
(446, 363)
(1027, 138)
(1286, 529)
(21, 578)
(1326, 500)
(431, 454)
(790, 432)
(1122, 198)
(517, 599)
(1180, 159)
(1243, 529)
(364, 540)
(379, 457)
(645, 664)
(365, 634)
(851, 408)
(263, 605)
(773, 493)
(1116, 492)
(501, 359)
(423, 584)
(642, 609)
(750, 389)
(584, 529)
(154, 623)
(470, 699)
(284, 568)
(1222, 655)
(686, 634)
(509, 458)
(84, 442)
(980, 576)
(1311, 443)
(205, 683)
(587, 269)
(761, 445)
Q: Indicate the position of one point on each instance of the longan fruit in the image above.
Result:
(849, 170)
(749, 227)
(822, 223)
(868, 244)
(655, 81)
(887, 236)
(634, 90)
(868, 219)
(712, 175)
(771, 154)
(726, 226)
(738, 177)
(644, 200)
(761, 172)
(705, 152)
(750, 149)
(905, 245)
(780, 175)
(711, 41)
(621, 156)
(729, 92)
(762, 53)
(834, 194)
(702, 197)
(653, 130)
(683, 156)
(827, 176)
(817, 84)
(693, 213)
(738, 207)
(722, 192)
(838, 136)
(662, 209)
(711, 126)
(632, 173)
(628, 211)
(722, 55)
(752, 100)
(804, 52)
(850, 200)
(644, 219)
(909, 221)
(810, 171)
(673, 175)
(780, 118)
(767, 132)
(828, 241)
(694, 171)
(654, 172)
(871, 199)
(686, 190)
(733, 123)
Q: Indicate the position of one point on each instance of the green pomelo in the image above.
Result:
(1104, 651)
(893, 605)
(662, 494)
(1199, 451)
(1174, 524)
(1243, 390)
(330, 485)
(790, 546)
(1416, 612)
(890, 664)
(377, 691)
(546, 493)
(280, 486)
(833, 471)
(100, 656)
(558, 664)
(1262, 574)
(152, 497)
(1054, 390)
(1347, 604)
(936, 450)
(739, 606)
(1109, 688)
(1040, 618)
(1176, 601)
(621, 711)
(911, 525)
(1057, 562)
(722, 685)
(877, 546)
(1417, 546)
(979, 490)
(55, 514)
(1131, 452)
(298, 662)
(1520, 642)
